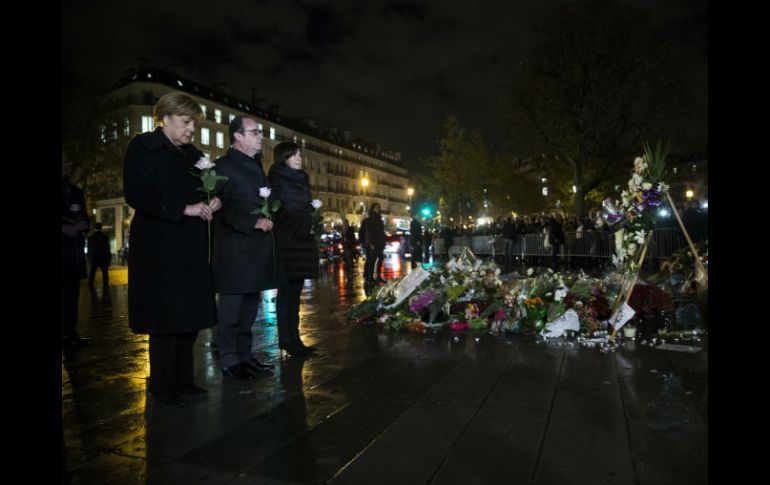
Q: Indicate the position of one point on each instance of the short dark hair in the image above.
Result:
(236, 126)
(284, 151)
(371, 207)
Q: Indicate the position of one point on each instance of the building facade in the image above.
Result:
(346, 174)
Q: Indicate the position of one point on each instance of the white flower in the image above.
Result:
(640, 235)
(265, 192)
(316, 204)
(204, 163)
(647, 186)
(632, 248)
(560, 294)
(662, 187)
(639, 165)
(530, 271)
(635, 181)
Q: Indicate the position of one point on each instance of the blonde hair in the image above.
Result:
(175, 103)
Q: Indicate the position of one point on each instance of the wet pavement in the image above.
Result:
(380, 407)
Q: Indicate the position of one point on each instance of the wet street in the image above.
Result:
(380, 407)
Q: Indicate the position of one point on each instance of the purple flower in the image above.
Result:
(651, 197)
(422, 301)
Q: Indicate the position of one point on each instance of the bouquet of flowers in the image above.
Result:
(591, 305)
(649, 302)
(209, 179)
(645, 192)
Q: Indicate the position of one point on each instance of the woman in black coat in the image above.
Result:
(295, 240)
(170, 292)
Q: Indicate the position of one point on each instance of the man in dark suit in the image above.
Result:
(74, 222)
(243, 260)
(99, 255)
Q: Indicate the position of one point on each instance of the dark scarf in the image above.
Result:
(291, 187)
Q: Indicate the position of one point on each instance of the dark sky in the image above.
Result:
(388, 71)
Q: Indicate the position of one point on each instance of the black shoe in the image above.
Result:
(254, 369)
(236, 372)
(195, 391)
(74, 341)
(169, 399)
(260, 365)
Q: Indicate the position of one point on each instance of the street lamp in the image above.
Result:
(690, 194)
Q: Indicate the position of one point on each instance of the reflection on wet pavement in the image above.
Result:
(381, 407)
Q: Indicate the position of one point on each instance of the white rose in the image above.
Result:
(204, 163)
(265, 192)
(316, 204)
(639, 165)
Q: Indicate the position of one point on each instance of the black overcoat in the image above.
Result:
(243, 260)
(296, 244)
(169, 281)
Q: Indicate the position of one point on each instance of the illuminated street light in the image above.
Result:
(364, 184)
(410, 193)
(690, 194)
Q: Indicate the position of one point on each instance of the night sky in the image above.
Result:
(388, 71)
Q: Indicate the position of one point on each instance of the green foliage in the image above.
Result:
(364, 309)
(455, 292)
(656, 160)
(209, 179)
(582, 290)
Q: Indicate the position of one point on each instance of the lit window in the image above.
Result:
(218, 115)
(147, 124)
(149, 76)
(126, 127)
(204, 109)
(220, 139)
(303, 142)
(179, 83)
(204, 136)
(103, 135)
(272, 133)
(545, 191)
(230, 117)
(114, 130)
(259, 125)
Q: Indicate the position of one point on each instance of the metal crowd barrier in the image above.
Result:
(593, 244)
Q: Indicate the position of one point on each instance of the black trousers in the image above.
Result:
(287, 312)
(171, 362)
(416, 253)
(374, 260)
(236, 314)
(105, 275)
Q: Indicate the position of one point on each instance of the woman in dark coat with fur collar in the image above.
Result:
(295, 241)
